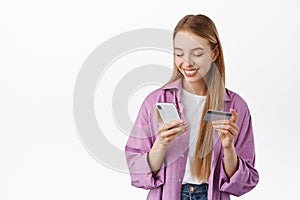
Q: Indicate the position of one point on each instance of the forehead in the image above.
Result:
(188, 40)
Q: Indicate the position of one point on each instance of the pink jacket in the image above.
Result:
(167, 182)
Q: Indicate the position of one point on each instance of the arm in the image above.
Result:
(230, 161)
(245, 176)
(145, 149)
(138, 145)
(228, 130)
(166, 133)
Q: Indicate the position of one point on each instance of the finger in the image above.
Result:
(222, 126)
(225, 123)
(174, 131)
(221, 135)
(169, 139)
(235, 126)
(221, 121)
(230, 126)
(172, 124)
(227, 132)
(234, 116)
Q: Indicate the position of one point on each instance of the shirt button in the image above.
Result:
(182, 156)
(179, 180)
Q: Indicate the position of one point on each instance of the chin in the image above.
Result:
(193, 79)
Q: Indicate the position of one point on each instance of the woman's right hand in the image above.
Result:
(167, 132)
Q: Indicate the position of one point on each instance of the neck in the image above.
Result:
(198, 88)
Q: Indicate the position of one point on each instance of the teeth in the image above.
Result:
(190, 72)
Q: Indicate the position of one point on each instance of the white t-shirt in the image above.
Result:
(192, 108)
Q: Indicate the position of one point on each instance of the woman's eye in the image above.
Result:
(178, 54)
(198, 55)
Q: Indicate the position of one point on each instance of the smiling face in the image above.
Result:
(193, 56)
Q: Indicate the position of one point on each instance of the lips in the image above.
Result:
(190, 72)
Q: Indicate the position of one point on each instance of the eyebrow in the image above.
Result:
(197, 48)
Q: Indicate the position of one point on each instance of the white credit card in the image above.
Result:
(212, 115)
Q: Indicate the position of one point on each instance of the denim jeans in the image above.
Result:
(194, 192)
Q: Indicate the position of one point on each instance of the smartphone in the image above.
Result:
(167, 111)
(212, 115)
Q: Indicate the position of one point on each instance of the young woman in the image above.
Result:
(192, 158)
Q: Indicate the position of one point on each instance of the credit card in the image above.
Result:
(212, 115)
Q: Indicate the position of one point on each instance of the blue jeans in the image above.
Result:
(194, 192)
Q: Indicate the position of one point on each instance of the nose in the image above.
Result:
(187, 62)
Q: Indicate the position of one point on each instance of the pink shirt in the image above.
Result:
(168, 181)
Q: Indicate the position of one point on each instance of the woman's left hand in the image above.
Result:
(227, 129)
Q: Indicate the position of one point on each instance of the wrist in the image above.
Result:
(158, 146)
(229, 148)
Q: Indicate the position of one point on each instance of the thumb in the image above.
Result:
(234, 116)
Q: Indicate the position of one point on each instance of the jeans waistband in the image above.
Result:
(188, 187)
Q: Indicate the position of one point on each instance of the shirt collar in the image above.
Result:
(227, 97)
(177, 84)
(174, 85)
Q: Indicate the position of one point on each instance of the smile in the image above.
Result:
(190, 72)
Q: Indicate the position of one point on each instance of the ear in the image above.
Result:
(215, 53)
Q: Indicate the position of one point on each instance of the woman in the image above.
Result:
(192, 158)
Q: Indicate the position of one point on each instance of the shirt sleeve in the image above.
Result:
(137, 148)
(246, 177)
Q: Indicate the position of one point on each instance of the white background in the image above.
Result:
(43, 45)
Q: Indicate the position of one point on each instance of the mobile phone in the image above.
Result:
(167, 111)
(212, 115)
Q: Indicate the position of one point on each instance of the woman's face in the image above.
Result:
(193, 55)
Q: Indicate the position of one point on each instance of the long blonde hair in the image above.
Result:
(204, 27)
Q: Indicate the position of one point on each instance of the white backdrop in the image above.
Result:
(43, 45)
